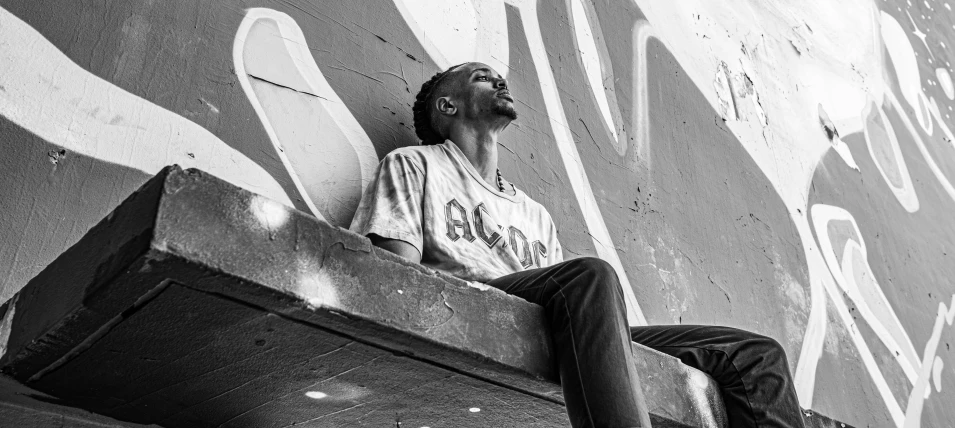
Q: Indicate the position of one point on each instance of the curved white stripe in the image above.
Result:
(920, 392)
(640, 122)
(821, 216)
(458, 31)
(417, 15)
(593, 68)
(297, 46)
(878, 312)
(906, 193)
(814, 337)
(933, 108)
(49, 95)
(251, 16)
(571, 158)
(947, 185)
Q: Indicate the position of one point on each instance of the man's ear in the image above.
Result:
(445, 106)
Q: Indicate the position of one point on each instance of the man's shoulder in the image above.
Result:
(538, 206)
(533, 206)
(418, 151)
(421, 156)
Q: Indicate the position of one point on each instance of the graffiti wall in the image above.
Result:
(784, 168)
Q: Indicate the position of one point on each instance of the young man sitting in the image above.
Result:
(445, 205)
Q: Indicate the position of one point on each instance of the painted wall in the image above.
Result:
(785, 168)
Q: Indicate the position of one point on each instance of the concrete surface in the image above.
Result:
(22, 407)
(197, 303)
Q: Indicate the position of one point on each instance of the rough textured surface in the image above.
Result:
(22, 407)
(198, 303)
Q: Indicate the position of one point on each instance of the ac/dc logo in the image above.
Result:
(459, 221)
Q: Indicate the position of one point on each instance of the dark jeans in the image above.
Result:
(584, 305)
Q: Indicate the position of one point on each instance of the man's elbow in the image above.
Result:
(396, 246)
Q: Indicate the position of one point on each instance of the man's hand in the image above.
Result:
(396, 246)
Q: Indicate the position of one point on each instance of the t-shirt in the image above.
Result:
(432, 198)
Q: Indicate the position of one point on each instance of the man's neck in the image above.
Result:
(480, 147)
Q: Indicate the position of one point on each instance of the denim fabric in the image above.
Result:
(584, 305)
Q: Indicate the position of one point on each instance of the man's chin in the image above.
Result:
(506, 109)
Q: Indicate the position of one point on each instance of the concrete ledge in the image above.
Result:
(196, 303)
(22, 407)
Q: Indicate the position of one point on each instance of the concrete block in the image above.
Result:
(22, 407)
(196, 303)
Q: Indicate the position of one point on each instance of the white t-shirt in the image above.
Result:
(432, 198)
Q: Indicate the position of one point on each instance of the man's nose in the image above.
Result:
(500, 83)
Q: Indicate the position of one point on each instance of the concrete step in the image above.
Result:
(196, 303)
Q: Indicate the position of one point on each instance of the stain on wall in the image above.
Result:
(777, 168)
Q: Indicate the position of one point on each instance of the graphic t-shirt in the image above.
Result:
(432, 198)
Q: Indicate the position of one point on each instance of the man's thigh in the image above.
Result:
(540, 285)
(530, 285)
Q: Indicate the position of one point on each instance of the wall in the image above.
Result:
(782, 168)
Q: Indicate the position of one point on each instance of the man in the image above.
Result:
(445, 205)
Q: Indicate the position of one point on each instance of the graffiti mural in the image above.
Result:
(782, 169)
(909, 162)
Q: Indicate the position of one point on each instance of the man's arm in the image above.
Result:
(390, 209)
(396, 246)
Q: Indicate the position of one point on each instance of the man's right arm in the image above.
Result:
(390, 209)
(396, 246)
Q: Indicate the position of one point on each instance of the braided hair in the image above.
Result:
(422, 109)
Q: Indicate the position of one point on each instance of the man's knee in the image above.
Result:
(767, 343)
(739, 340)
(768, 348)
(594, 279)
(594, 267)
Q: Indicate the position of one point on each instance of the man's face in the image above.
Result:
(482, 92)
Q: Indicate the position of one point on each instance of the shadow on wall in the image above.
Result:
(51, 196)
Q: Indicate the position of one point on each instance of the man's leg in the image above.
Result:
(751, 370)
(584, 305)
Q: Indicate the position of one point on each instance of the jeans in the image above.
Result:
(584, 305)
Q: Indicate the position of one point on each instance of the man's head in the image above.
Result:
(471, 92)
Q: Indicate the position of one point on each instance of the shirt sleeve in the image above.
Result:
(556, 253)
(551, 253)
(391, 205)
